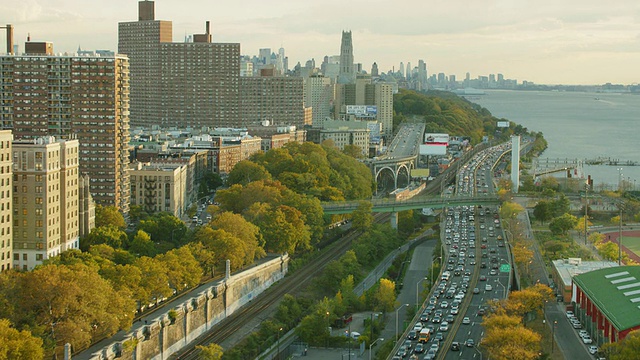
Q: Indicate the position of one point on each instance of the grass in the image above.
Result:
(632, 243)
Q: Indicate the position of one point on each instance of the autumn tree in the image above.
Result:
(512, 343)
(109, 215)
(627, 348)
(580, 225)
(282, 228)
(385, 297)
(154, 281)
(510, 210)
(18, 345)
(182, 269)
(248, 234)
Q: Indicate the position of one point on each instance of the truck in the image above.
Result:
(425, 335)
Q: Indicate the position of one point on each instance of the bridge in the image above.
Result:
(548, 166)
(394, 206)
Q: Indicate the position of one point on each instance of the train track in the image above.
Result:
(236, 321)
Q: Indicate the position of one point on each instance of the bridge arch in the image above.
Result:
(403, 175)
(386, 178)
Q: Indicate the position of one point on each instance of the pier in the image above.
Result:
(610, 162)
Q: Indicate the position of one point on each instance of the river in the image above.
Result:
(577, 125)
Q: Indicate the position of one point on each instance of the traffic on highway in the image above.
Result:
(476, 269)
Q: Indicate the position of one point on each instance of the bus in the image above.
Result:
(424, 336)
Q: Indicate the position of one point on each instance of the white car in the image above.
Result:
(444, 326)
(593, 349)
(466, 321)
(488, 287)
(587, 340)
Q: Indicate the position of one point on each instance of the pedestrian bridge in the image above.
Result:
(394, 206)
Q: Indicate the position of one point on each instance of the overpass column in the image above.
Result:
(394, 220)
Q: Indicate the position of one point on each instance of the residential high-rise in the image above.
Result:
(364, 92)
(347, 72)
(374, 70)
(71, 97)
(179, 84)
(45, 199)
(6, 195)
(318, 94)
(277, 99)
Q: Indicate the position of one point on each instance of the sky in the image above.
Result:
(545, 41)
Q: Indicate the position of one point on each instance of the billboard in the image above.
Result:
(503, 124)
(434, 144)
(362, 110)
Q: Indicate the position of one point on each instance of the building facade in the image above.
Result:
(364, 92)
(276, 99)
(179, 84)
(6, 198)
(159, 187)
(318, 95)
(71, 97)
(45, 199)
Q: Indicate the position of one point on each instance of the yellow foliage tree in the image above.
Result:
(386, 295)
(580, 225)
(512, 343)
(627, 348)
(500, 321)
(510, 210)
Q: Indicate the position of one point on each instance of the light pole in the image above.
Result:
(371, 345)
(279, 343)
(553, 335)
(418, 287)
(398, 309)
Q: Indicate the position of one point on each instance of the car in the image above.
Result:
(408, 345)
(430, 355)
(466, 320)
(483, 265)
(402, 352)
(583, 333)
(476, 291)
(439, 337)
(587, 340)
(436, 319)
(577, 325)
(455, 346)
(444, 304)
(449, 318)
(482, 278)
(444, 326)
(593, 349)
(481, 312)
(493, 272)
(419, 349)
(412, 335)
(435, 346)
(454, 310)
(418, 326)
(570, 314)
(488, 287)
(469, 343)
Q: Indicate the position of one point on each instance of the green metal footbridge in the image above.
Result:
(419, 202)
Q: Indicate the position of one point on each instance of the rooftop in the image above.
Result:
(616, 293)
(568, 268)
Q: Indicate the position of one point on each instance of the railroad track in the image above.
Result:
(236, 321)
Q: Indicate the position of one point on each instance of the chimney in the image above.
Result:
(9, 39)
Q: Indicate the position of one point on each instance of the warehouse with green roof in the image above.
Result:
(607, 302)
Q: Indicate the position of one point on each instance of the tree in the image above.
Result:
(560, 206)
(223, 244)
(515, 343)
(210, 352)
(353, 150)
(282, 228)
(109, 215)
(183, 270)
(549, 182)
(65, 303)
(107, 234)
(615, 220)
(543, 211)
(627, 348)
(246, 232)
(154, 281)
(361, 218)
(385, 296)
(18, 345)
(510, 210)
(562, 224)
(142, 245)
(164, 226)
(501, 321)
(247, 171)
(553, 246)
(580, 225)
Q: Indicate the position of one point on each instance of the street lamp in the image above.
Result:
(371, 345)
(279, 343)
(418, 286)
(553, 335)
(398, 309)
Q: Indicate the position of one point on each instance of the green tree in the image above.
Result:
(354, 151)
(142, 245)
(543, 211)
(560, 206)
(205, 257)
(19, 345)
(554, 246)
(164, 226)
(282, 228)
(562, 224)
(108, 234)
(210, 352)
(154, 281)
(246, 232)
(247, 171)
(182, 269)
(361, 218)
(109, 215)
(223, 244)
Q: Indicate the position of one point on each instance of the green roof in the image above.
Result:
(616, 292)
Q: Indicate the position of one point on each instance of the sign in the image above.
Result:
(505, 268)
(503, 124)
(362, 110)
(434, 144)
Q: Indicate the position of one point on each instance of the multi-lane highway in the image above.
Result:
(476, 269)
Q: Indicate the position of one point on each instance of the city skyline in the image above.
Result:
(545, 42)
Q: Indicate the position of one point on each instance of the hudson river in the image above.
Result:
(577, 125)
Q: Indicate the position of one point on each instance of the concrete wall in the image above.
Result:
(177, 327)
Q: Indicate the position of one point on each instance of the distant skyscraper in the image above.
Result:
(364, 92)
(401, 69)
(347, 72)
(265, 56)
(374, 70)
(422, 75)
(408, 71)
(319, 91)
(179, 84)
